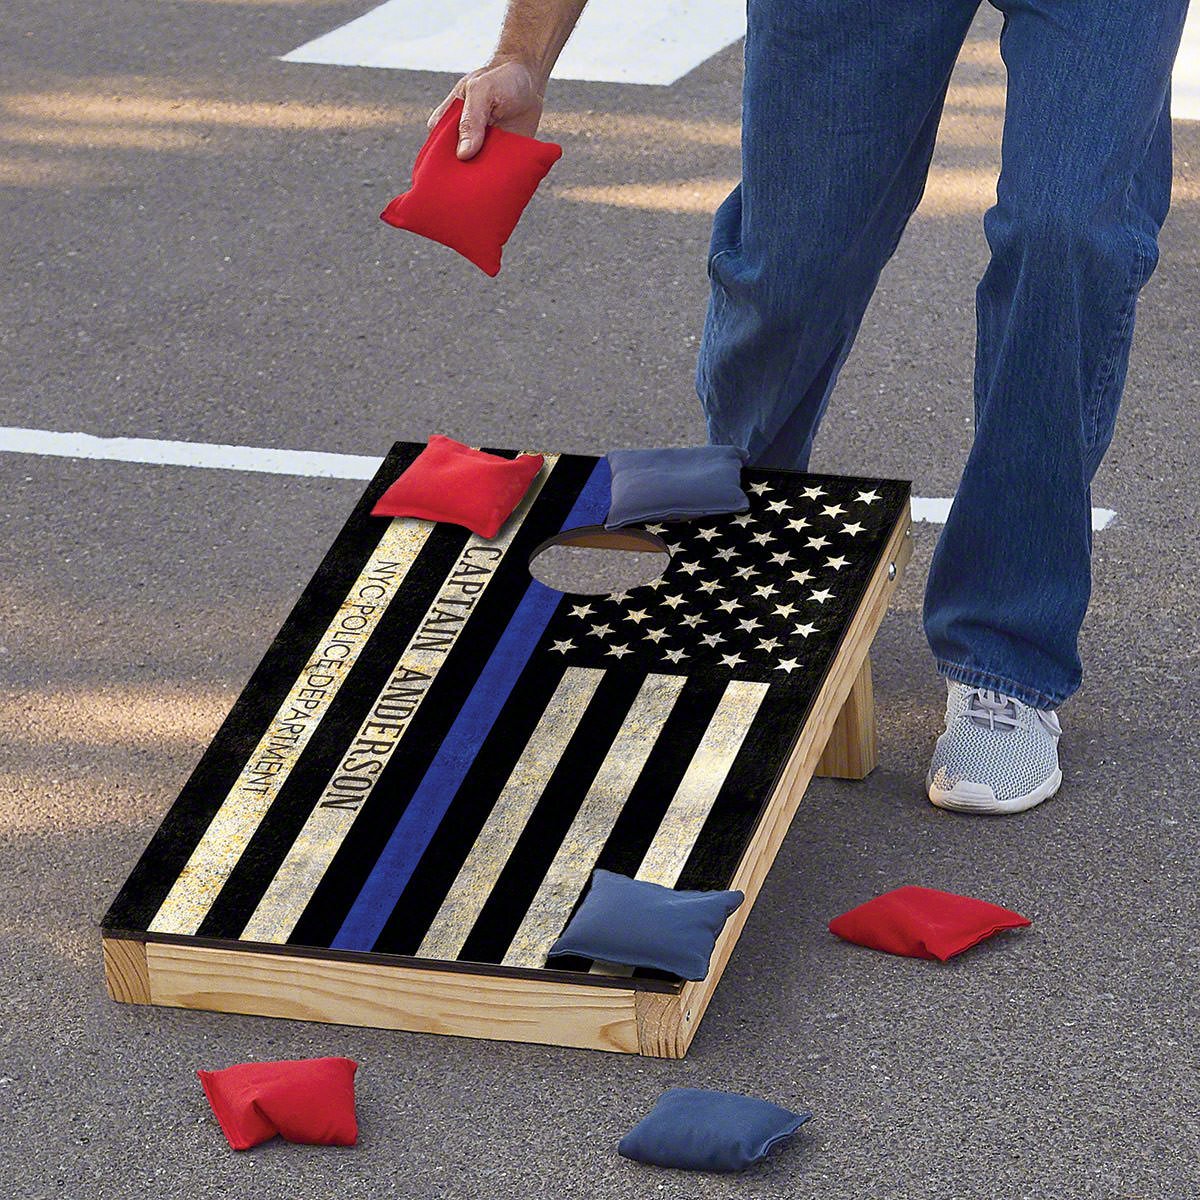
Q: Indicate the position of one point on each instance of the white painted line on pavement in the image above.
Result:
(1185, 85)
(310, 463)
(617, 41)
(313, 463)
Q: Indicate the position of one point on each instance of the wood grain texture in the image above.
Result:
(383, 997)
(760, 854)
(662, 1025)
(852, 751)
(125, 973)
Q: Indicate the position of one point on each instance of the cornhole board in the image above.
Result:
(405, 805)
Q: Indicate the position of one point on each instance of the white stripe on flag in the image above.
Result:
(680, 827)
(383, 728)
(572, 865)
(702, 782)
(260, 780)
(510, 814)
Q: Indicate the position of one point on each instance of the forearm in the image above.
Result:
(535, 31)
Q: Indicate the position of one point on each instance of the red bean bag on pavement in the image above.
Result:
(923, 923)
(471, 205)
(306, 1100)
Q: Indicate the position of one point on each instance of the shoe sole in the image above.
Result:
(966, 797)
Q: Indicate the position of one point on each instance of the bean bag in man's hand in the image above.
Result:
(471, 205)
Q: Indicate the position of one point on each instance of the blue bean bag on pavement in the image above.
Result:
(700, 1130)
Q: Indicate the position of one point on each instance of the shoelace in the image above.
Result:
(987, 708)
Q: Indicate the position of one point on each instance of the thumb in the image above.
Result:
(472, 125)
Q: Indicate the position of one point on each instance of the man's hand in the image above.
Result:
(508, 92)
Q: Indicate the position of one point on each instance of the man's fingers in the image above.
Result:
(455, 93)
(472, 125)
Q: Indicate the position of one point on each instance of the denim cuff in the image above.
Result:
(974, 677)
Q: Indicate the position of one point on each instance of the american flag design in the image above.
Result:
(438, 749)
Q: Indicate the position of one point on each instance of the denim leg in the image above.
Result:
(1083, 189)
(840, 107)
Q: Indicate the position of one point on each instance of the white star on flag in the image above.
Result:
(601, 630)
(766, 589)
(768, 643)
(692, 620)
(619, 651)
(821, 595)
(813, 493)
(745, 572)
(782, 557)
(759, 488)
(852, 527)
(656, 635)
(708, 534)
(762, 538)
(819, 542)
(805, 630)
(832, 510)
(749, 624)
(656, 528)
(836, 563)
(618, 596)
(672, 601)
(784, 610)
(637, 615)
(786, 664)
(743, 519)
(729, 605)
(563, 646)
(710, 639)
(867, 497)
(676, 655)
(726, 553)
(798, 523)
(801, 576)
(689, 568)
(582, 610)
(709, 585)
(731, 660)
(777, 506)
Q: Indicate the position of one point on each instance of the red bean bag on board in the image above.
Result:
(449, 481)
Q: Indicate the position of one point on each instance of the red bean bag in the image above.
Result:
(923, 923)
(449, 481)
(471, 205)
(306, 1100)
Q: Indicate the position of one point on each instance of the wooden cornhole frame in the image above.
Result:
(607, 1008)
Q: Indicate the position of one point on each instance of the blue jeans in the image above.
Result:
(841, 105)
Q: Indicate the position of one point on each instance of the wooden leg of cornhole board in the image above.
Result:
(125, 971)
(852, 751)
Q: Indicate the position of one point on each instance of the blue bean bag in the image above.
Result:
(675, 483)
(699, 1130)
(640, 924)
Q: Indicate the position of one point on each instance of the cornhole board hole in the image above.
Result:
(405, 804)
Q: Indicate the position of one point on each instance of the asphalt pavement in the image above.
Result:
(191, 250)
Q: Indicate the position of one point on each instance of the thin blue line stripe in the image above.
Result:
(414, 831)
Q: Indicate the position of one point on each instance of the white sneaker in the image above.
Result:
(997, 755)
